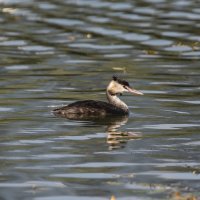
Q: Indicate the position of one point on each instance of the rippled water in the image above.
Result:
(53, 53)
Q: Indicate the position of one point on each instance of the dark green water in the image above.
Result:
(56, 52)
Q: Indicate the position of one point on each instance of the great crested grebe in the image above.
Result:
(92, 108)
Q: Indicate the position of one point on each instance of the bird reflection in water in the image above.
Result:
(116, 138)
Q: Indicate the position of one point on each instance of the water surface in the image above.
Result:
(54, 53)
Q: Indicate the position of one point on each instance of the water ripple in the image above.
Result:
(56, 52)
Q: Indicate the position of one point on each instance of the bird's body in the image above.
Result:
(93, 108)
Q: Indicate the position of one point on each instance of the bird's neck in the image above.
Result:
(114, 100)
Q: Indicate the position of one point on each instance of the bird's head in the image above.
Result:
(118, 86)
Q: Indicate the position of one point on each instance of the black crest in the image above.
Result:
(122, 82)
(114, 78)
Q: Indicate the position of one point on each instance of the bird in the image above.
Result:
(93, 108)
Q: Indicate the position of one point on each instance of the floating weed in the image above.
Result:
(194, 45)
(112, 197)
(179, 196)
(123, 69)
(151, 52)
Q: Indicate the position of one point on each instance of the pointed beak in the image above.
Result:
(133, 91)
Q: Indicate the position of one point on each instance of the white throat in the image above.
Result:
(114, 100)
